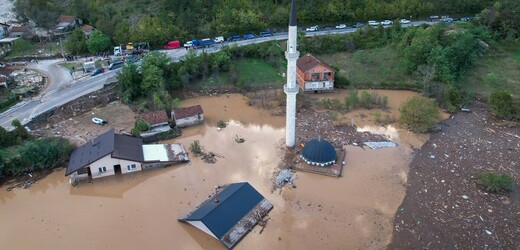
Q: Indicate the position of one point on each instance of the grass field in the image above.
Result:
(500, 69)
(251, 72)
(369, 67)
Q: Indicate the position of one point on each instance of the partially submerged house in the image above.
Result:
(318, 152)
(158, 120)
(20, 31)
(188, 116)
(112, 153)
(314, 75)
(67, 23)
(230, 213)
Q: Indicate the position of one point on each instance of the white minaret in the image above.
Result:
(291, 88)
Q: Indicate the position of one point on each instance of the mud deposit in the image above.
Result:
(140, 210)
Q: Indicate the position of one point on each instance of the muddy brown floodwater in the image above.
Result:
(140, 210)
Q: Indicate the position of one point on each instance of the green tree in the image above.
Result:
(130, 81)
(19, 132)
(420, 114)
(75, 43)
(46, 153)
(98, 42)
(140, 126)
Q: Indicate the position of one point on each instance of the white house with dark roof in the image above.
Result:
(112, 153)
(188, 116)
(229, 213)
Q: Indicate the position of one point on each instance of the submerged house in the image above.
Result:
(158, 120)
(318, 152)
(67, 23)
(314, 74)
(230, 213)
(111, 154)
(188, 116)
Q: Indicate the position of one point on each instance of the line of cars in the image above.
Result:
(208, 42)
(356, 25)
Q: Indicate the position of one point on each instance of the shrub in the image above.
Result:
(196, 148)
(366, 100)
(420, 114)
(221, 124)
(140, 126)
(495, 183)
(501, 103)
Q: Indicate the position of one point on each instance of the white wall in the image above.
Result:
(201, 226)
(188, 121)
(109, 163)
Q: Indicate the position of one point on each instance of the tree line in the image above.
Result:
(160, 21)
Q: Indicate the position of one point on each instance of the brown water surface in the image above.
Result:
(140, 210)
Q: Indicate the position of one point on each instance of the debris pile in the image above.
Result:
(380, 144)
(285, 176)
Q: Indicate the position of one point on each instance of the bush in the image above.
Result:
(501, 103)
(196, 148)
(495, 183)
(221, 124)
(140, 126)
(420, 114)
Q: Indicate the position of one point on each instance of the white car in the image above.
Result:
(387, 22)
(404, 21)
(312, 28)
(99, 121)
(373, 23)
(341, 26)
(219, 39)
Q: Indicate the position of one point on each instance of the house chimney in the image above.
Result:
(216, 194)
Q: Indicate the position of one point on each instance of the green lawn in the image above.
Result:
(369, 67)
(255, 71)
(68, 65)
(251, 72)
(499, 69)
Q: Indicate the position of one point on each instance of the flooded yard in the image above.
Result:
(140, 210)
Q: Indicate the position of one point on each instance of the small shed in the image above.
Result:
(155, 118)
(319, 152)
(188, 116)
(229, 213)
(314, 75)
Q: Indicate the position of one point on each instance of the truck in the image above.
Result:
(173, 45)
(132, 49)
(204, 43)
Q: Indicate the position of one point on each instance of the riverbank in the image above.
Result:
(443, 207)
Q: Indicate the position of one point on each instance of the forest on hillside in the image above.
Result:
(162, 20)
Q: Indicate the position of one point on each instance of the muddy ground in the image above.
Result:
(443, 207)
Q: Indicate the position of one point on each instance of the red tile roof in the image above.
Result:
(66, 19)
(308, 62)
(87, 28)
(154, 117)
(187, 112)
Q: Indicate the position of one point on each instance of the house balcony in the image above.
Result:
(319, 85)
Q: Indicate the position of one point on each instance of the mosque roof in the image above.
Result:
(319, 152)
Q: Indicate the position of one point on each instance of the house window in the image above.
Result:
(131, 167)
(102, 169)
(327, 76)
(315, 76)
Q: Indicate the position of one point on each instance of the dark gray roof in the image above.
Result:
(120, 146)
(292, 18)
(128, 148)
(319, 152)
(235, 201)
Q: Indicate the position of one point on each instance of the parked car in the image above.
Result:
(387, 22)
(266, 33)
(373, 23)
(188, 44)
(313, 28)
(99, 121)
(466, 19)
(249, 36)
(115, 65)
(97, 71)
(358, 25)
(341, 26)
(234, 38)
(404, 21)
(219, 39)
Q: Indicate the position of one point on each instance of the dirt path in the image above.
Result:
(443, 208)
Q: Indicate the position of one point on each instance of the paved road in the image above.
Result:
(62, 88)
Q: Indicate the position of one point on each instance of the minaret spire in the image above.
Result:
(291, 88)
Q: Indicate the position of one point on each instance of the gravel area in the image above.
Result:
(443, 207)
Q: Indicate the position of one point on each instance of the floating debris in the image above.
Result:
(239, 139)
(380, 144)
(285, 176)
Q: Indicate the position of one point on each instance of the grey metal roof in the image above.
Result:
(91, 151)
(235, 201)
(120, 146)
(318, 152)
(292, 18)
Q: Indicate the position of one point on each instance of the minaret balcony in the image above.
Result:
(292, 90)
